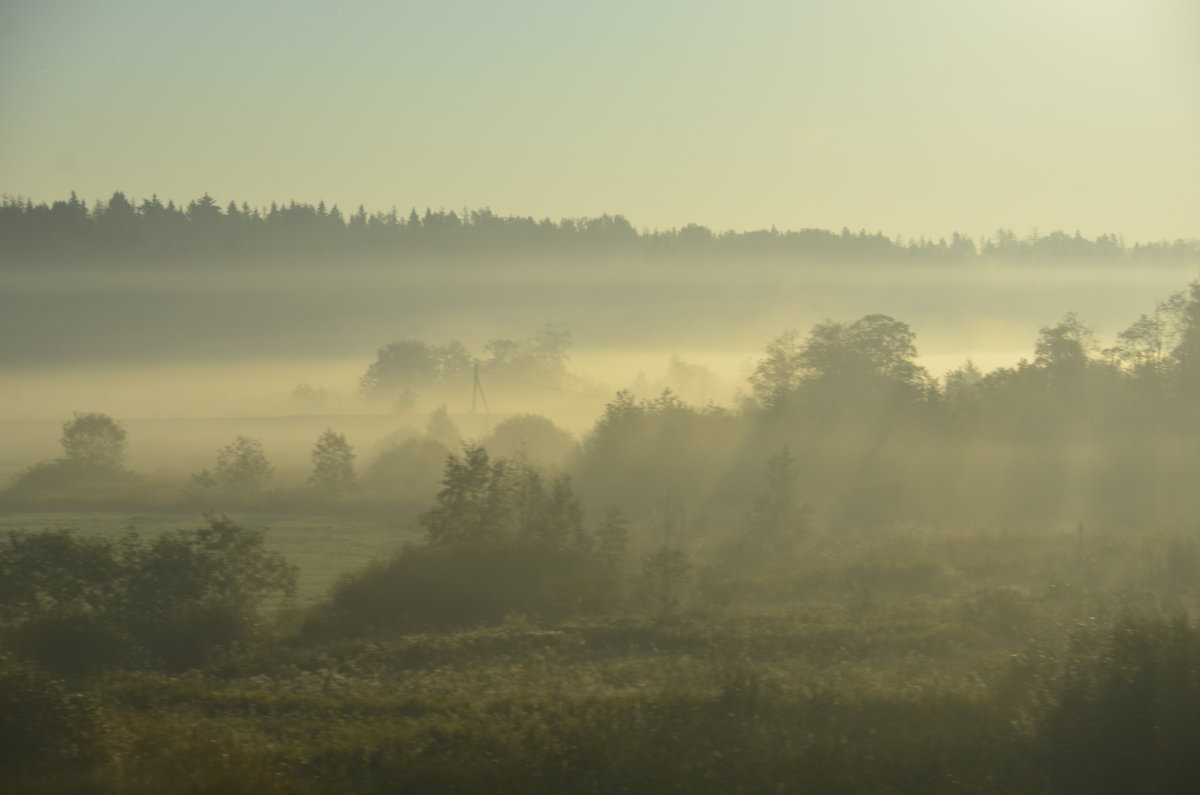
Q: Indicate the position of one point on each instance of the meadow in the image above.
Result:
(911, 660)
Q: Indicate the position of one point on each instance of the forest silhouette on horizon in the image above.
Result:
(147, 231)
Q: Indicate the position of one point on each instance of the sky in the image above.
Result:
(912, 118)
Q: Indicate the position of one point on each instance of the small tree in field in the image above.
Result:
(779, 519)
(94, 440)
(333, 464)
(612, 537)
(242, 466)
(442, 429)
(474, 505)
(665, 575)
(92, 466)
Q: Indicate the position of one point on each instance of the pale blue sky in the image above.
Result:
(916, 117)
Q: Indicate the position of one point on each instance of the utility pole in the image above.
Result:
(477, 392)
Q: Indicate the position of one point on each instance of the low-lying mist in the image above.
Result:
(762, 509)
(228, 316)
(188, 364)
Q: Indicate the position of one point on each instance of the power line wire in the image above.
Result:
(545, 386)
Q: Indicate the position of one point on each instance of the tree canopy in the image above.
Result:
(94, 440)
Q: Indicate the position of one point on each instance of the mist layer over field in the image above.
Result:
(166, 351)
(224, 337)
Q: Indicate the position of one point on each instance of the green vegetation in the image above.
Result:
(92, 464)
(861, 579)
(77, 605)
(1002, 667)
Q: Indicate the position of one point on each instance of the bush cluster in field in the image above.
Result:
(80, 605)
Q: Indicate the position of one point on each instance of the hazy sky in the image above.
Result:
(910, 117)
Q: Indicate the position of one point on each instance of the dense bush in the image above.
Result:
(78, 604)
(500, 538)
(63, 482)
(42, 726)
(446, 586)
(194, 591)
(406, 470)
(1126, 713)
(531, 436)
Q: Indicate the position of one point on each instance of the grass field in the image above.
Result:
(968, 661)
(921, 659)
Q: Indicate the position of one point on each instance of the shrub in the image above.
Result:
(333, 465)
(242, 469)
(501, 538)
(1003, 612)
(1126, 717)
(95, 440)
(80, 604)
(43, 728)
(666, 573)
(531, 436)
(79, 482)
(409, 469)
(454, 586)
(191, 592)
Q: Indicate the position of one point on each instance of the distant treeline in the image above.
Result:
(152, 232)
